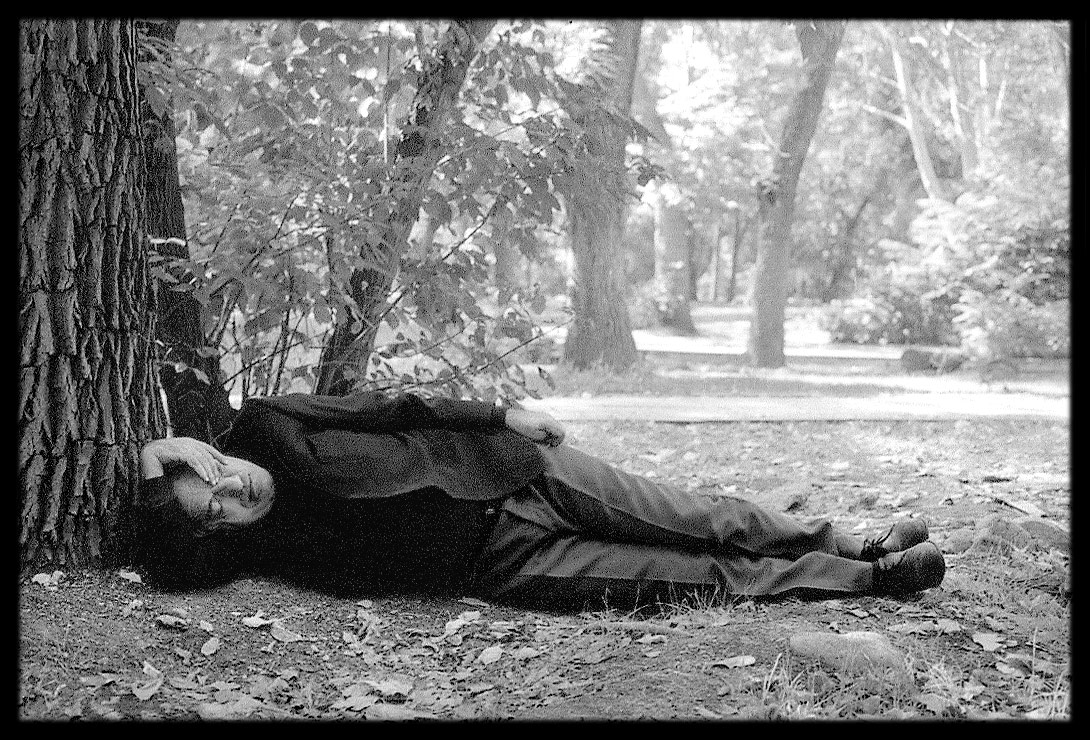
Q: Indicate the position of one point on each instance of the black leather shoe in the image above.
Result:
(900, 536)
(915, 569)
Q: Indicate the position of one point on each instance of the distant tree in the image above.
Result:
(675, 262)
(673, 269)
(819, 41)
(600, 332)
(88, 393)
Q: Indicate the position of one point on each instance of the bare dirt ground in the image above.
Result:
(992, 642)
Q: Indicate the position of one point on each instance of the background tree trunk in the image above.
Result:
(735, 253)
(912, 120)
(506, 272)
(677, 242)
(344, 358)
(819, 41)
(196, 407)
(672, 270)
(88, 394)
(600, 332)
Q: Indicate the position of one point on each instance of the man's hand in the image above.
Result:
(205, 459)
(536, 425)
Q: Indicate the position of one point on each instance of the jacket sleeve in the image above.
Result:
(379, 412)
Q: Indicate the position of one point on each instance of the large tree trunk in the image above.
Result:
(601, 333)
(196, 406)
(344, 358)
(88, 397)
(819, 41)
(672, 282)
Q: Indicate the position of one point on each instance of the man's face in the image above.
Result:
(243, 495)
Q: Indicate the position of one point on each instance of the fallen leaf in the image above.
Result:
(1009, 670)
(934, 703)
(172, 622)
(947, 626)
(211, 645)
(709, 714)
(242, 707)
(649, 638)
(392, 687)
(355, 702)
(738, 661)
(206, 626)
(131, 607)
(990, 641)
(102, 679)
(914, 628)
(146, 690)
(525, 653)
(470, 601)
(393, 712)
(131, 576)
(183, 683)
(490, 654)
(257, 621)
(45, 580)
(283, 634)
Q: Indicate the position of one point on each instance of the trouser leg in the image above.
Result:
(582, 494)
(527, 564)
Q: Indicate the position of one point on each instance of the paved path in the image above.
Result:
(893, 407)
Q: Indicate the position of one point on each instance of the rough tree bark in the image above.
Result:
(819, 41)
(195, 407)
(88, 394)
(600, 332)
(344, 358)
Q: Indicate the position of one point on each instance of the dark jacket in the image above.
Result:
(381, 491)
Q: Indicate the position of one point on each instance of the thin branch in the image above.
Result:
(883, 113)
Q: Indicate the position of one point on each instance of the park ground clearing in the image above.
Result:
(993, 642)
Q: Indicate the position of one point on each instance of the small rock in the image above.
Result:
(850, 651)
(931, 361)
(1046, 532)
(959, 541)
(997, 532)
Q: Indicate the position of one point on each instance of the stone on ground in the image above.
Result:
(852, 652)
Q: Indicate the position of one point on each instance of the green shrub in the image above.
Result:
(1006, 325)
(892, 314)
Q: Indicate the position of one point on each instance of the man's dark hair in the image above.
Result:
(179, 552)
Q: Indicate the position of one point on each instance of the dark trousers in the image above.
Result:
(588, 534)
